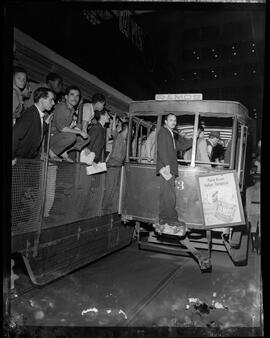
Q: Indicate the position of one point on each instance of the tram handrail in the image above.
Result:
(186, 161)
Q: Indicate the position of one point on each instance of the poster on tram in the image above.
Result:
(220, 199)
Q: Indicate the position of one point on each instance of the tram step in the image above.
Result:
(164, 248)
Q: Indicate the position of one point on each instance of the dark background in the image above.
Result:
(213, 49)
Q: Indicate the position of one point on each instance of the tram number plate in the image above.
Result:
(180, 185)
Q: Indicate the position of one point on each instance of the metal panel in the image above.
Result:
(141, 192)
(188, 204)
(72, 194)
(68, 247)
(111, 190)
(26, 195)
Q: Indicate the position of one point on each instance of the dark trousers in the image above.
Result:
(111, 193)
(167, 201)
(63, 141)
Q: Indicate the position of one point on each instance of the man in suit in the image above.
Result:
(167, 168)
(29, 130)
(97, 134)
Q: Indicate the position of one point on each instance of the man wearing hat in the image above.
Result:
(212, 141)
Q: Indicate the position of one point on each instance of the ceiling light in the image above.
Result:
(235, 73)
(215, 75)
(213, 49)
(253, 50)
(234, 53)
(212, 71)
(254, 71)
(216, 55)
(194, 52)
(198, 58)
(233, 47)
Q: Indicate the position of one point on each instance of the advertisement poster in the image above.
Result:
(221, 200)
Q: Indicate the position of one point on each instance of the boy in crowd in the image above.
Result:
(53, 82)
(65, 136)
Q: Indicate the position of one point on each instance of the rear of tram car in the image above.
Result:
(139, 192)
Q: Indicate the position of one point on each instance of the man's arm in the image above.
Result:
(114, 131)
(183, 143)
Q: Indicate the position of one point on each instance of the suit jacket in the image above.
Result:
(97, 140)
(27, 134)
(166, 153)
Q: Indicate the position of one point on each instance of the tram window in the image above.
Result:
(142, 147)
(210, 151)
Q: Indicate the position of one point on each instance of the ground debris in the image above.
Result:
(94, 309)
(203, 307)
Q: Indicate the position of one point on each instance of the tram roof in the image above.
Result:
(209, 108)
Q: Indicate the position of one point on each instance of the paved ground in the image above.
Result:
(138, 288)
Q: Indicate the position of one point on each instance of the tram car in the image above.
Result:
(208, 194)
(59, 222)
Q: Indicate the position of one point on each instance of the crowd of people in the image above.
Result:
(40, 109)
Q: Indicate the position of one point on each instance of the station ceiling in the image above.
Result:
(144, 49)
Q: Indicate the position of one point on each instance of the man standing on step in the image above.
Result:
(167, 168)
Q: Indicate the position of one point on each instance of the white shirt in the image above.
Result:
(41, 115)
(172, 136)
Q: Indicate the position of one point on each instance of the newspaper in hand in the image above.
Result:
(97, 168)
(165, 172)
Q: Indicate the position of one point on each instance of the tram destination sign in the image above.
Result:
(175, 97)
(220, 199)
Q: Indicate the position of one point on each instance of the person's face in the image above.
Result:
(19, 80)
(48, 102)
(171, 122)
(56, 85)
(99, 106)
(73, 97)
